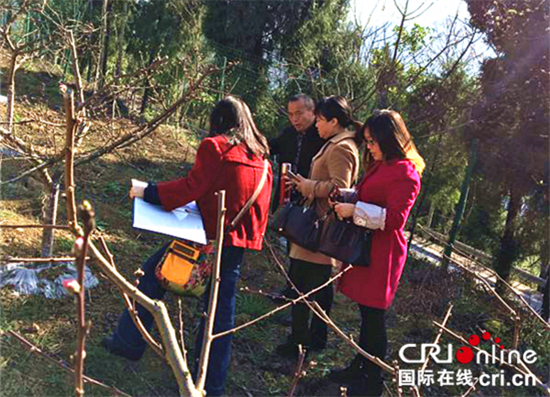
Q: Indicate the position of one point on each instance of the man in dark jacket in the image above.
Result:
(299, 143)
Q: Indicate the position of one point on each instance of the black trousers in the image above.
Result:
(308, 276)
(373, 339)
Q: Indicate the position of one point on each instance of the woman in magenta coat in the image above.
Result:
(383, 200)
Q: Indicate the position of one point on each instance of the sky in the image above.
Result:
(435, 14)
(430, 13)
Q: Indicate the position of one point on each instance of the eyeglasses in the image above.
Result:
(370, 141)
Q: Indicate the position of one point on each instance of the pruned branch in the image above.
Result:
(395, 374)
(319, 312)
(87, 214)
(438, 337)
(524, 370)
(145, 130)
(39, 260)
(208, 336)
(298, 370)
(34, 226)
(323, 316)
(62, 364)
(301, 298)
(130, 306)
(545, 323)
(471, 388)
(77, 76)
(162, 319)
(68, 102)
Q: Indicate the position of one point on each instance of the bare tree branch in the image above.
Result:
(87, 214)
(62, 364)
(438, 337)
(523, 370)
(319, 312)
(162, 319)
(34, 226)
(297, 370)
(130, 306)
(213, 301)
(38, 260)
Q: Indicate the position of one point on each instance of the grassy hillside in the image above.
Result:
(256, 369)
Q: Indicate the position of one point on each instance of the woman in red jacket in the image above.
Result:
(383, 200)
(231, 158)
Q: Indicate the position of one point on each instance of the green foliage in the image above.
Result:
(324, 58)
(514, 109)
(253, 45)
(414, 39)
(484, 224)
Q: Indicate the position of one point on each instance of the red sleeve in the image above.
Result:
(401, 196)
(197, 183)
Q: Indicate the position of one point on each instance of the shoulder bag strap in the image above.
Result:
(252, 198)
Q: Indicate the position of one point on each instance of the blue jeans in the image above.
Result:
(128, 337)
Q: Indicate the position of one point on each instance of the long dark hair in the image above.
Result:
(337, 107)
(388, 129)
(232, 117)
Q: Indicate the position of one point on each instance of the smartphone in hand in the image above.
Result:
(291, 175)
(336, 195)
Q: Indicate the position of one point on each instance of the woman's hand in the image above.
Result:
(299, 182)
(137, 191)
(344, 210)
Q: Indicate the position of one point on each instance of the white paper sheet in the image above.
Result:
(184, 222)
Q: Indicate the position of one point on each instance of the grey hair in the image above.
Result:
(307, 101)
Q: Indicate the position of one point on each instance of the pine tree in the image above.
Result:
(512, 119)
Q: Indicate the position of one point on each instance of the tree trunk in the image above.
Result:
(145, 99)
(120, 39)
(50, 218)
(430, 216)
(105, 43)
(99, 76)
(424, 192)
(509, 248)
(11, 90)
(459, 210)
(545, 275)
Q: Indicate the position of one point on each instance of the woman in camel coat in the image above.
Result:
(336, 164)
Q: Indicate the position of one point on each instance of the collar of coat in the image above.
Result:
(335, 140)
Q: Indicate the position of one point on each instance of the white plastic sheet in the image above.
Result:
(26, 278)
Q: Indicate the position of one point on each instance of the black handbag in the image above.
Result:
(345, 241)
(300, 224)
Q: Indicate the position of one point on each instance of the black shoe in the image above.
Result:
(353, 372)
(289, 350)
(109, 344)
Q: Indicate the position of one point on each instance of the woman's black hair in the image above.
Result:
(388, 129)
(232, 117)
(337, 107)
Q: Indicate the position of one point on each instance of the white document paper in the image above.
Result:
(184, 222)
(138, 183)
